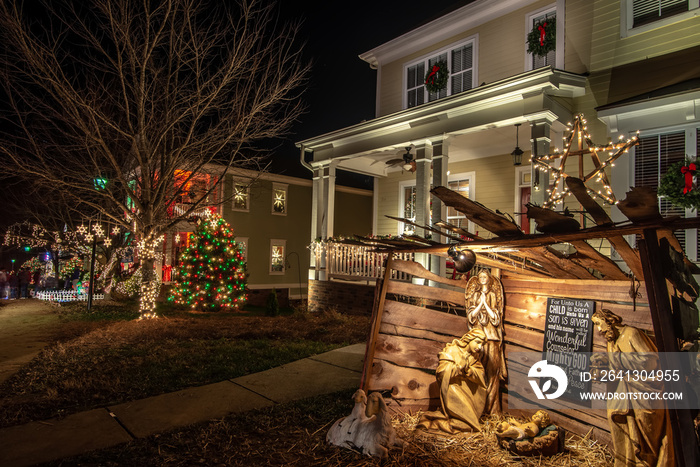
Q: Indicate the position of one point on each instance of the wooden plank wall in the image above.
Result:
(413, 322)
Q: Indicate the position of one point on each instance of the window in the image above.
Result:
(241, 196)
(648, 11)
(455, 217)
(460, 59)
(551, 58)
(638, 16)
(463, 183)
(242, 243)
(653, 156)
(279, 199)
(277, 256)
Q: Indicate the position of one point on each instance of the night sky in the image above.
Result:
(341, 91)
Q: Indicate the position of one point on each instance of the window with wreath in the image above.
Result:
(241, 196)
(459, 61)
(277, 255)
(652, 158)
(540, 25)
(279, 199)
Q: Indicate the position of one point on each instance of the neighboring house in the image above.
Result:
(271, 217)
(626, 65)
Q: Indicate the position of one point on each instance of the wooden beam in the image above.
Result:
(377, 314)
(478, 213)
(684, 442)
(535, 240)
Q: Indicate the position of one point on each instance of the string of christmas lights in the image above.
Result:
(579, 130)
(212, 273)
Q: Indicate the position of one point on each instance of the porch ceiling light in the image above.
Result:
(517, 152)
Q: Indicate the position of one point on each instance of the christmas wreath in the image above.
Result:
(436, 78)
(543, 38)
(678, 185)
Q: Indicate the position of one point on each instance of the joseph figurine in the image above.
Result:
(640, 429)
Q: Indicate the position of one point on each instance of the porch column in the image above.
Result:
(424, 158)
(322, 212)
(439, 210)
(540, 141)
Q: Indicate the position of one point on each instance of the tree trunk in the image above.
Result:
(150, 288)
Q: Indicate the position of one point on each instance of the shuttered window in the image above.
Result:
(648, 11)
(462, 59)
(460, 62)
(550, 58)
(414, 85)
(653, 156)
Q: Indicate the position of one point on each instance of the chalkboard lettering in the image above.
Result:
(568, 337)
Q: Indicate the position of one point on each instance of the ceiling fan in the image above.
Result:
(406, 162)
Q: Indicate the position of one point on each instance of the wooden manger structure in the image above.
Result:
(412, 321)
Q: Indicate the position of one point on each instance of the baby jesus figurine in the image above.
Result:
(518, 431)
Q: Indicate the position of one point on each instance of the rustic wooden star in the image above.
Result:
(579, 130)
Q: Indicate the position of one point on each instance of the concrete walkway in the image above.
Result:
(48, 440)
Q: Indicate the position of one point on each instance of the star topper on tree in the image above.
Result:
(598, 174)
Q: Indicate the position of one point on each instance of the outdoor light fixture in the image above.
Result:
(464, 260)
(517, 152)
(407, 159)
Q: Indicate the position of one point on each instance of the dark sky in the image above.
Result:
(341, 91)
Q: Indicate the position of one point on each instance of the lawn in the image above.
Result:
(108, 357)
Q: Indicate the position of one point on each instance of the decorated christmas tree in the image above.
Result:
(212, 272)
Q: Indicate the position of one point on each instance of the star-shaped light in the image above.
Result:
(81, 229)
(598, 173)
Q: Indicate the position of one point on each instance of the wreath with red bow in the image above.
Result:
(436, 77)
(543, 38)
(679, 184)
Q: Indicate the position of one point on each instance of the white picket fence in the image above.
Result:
(358, 262)
(66, 296)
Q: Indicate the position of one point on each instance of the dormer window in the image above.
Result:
(461, 63)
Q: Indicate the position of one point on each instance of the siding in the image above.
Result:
(353, 213)
(502, 50)
(610, 50)
(494, 187)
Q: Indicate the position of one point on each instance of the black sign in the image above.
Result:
(568, 339)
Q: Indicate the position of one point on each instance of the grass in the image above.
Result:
(107, 357)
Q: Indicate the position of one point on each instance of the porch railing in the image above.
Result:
(355, 262)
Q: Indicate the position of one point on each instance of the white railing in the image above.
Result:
(356, 262)
(66, 296)
(201, 211)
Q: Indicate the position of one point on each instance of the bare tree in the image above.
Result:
(115, 105)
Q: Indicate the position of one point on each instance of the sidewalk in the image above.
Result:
(48, 440)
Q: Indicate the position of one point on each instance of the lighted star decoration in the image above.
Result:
(115, 230)
(276, 255)
(81, 229)
(108, 242)
(239, 197)
(598, 174)
(279, 200)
